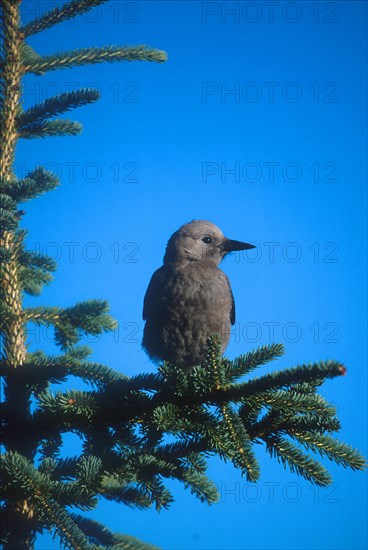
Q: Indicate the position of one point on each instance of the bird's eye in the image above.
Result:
(207, 240)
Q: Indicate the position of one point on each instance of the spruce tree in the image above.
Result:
(123, 422)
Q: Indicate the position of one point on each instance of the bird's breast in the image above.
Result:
(198, 285)
(186, 303)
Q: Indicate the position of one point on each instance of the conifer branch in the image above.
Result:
(28, 54)
(99, 534)
(142, 381)
(289, 455)
(52, 128)
(199, 486)
(284, 378)
(30, 258)
(36, 487)
(58, 15)
(335, 450)
(213, 362)
(37, 182)
(287, 401)
(42, 315)
(68, 405)
(42, 370)
(8, 213)
(244, 457)
(55, 106)
(33, 269)
(89, 317)
(316, 421)
(88, 56)
(286, 422)
(128, 495)
(244, 364)
(32, 280)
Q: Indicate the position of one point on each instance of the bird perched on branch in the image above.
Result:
(189, 297)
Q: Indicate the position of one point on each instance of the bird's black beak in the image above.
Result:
(231, 246)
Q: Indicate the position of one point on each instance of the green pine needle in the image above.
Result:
(237, 444)
(8, 212)
(33, 279)
(55, 106)
(244, 364)
(289, 401)
(51, 128)
(43, 369)
(89, 317)
(58, 15)
(88, 56)
(30, 258)
(39, 488)
(289, 377)
(335, 450)
(200, 486)
(37, 182)
(125, 494)
(304, 465)
(101, 535)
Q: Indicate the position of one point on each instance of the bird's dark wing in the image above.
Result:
(232, 312)
(153, 294)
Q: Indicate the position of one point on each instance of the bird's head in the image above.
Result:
(200, 241)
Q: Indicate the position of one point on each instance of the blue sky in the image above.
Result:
(257, 123)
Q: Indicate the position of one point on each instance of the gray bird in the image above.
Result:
(189, 297)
